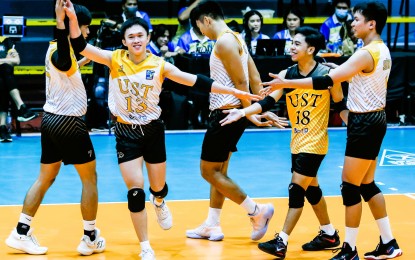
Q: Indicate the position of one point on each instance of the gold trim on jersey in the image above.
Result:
(373, 49)
(74, 63)
(235, 34)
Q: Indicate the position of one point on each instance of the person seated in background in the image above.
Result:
(129, 10)
(332, 26)
(193, 41)
(160, 44)
(9, 57)
(184, 20)
(293, 19)
(252, 24)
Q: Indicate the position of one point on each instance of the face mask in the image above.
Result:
(341, 13)
(131, 10)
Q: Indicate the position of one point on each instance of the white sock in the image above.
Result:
(156, 202)
(250, 206)
(213, 216)
(284, 237)
(89, 225)
(25, 219)
(351, 237)
(145, 245)
(385, 229)
(328, 229)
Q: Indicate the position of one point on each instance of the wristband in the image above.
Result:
(78, 44)
(322, 82)
(203, 83)
(267, 103)
(243, 112)
(340, 106)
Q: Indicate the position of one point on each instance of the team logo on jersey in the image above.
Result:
(150, 74)
(121, 69)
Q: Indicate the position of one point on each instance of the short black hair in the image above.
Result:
(335, 2)
(313, 38)
(373, 11)
(209, 8)
(82, 14)
(159, 30)
(131, 22)
(125, 1)
(193, 23)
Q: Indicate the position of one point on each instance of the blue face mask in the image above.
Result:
(131, 10)
(341, 13)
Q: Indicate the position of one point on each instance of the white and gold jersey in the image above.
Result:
(65, 91)
(367, 91)
(134, 89)
(220, 75)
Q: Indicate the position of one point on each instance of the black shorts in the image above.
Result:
(220, 140)
(134, 141)
(65, 138)
(365, 132)
(306, 163)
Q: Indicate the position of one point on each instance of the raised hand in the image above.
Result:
(246, 95)
(69, 9)
(280, 122)
(60, 10)
(270, 86)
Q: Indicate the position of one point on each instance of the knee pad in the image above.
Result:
(369, 190)
(313, 194)
(136, 200)
(350, 194)
(160, 194)
(296, 196)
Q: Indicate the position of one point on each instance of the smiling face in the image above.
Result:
(300, 48)
(136, 39)
(254, 23)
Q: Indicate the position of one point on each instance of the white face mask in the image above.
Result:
(341, 13)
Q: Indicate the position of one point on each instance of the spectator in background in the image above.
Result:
(9, 57)
(161, 44)
(193, 41)
(293, 19)
(252, 24)
(332, 26)
(130, 9)
(183, 18)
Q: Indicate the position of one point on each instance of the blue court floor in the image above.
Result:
(261, 166)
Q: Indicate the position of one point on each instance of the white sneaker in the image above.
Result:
(27, 244)
(164, 217)
(88, 247)
(212, 233)
(147, 254)
(261, 220)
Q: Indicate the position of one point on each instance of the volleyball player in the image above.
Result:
(368, 69)
(309, 113)
(64, 138)
(231, 65)
(134, 87)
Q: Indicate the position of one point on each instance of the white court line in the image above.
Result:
(410, 196)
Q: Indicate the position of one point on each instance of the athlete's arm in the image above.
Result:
(61, 58)
(91, 52)
(187, 79)
(254, 77)
(358, 62)
(336, 93)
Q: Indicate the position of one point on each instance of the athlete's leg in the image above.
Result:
(89, 199)
(37, 191)
(157, 177)
(377, 202)
(216, 198)
(320, 209)
(132, 173)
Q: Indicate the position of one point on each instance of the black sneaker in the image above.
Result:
(385, 251)
(25, 114)
(274, 247)
(346, 253)
(322, 241)
(4, 135)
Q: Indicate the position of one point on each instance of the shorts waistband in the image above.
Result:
(368, 112)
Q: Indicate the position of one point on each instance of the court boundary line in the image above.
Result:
(189, 200)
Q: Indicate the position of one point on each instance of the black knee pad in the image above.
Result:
(136, 200)
(160, 194)
(369, 190)
(350, 194)
(313, 194)
(296, 196)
